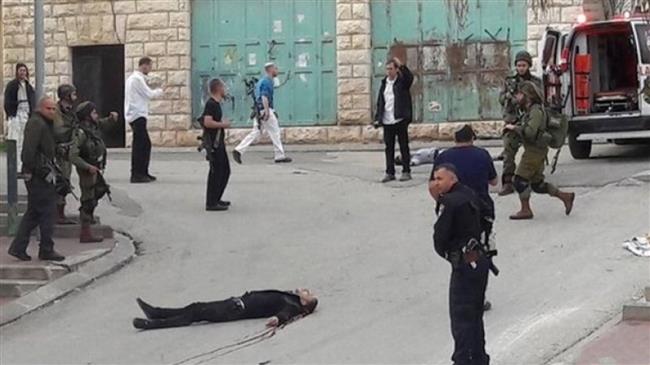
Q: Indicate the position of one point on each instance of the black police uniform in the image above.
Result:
(459, 222)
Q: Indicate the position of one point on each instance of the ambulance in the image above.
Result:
(598, 74)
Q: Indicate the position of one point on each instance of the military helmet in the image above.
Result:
(524, 56)
(64, 91)
(531, 91)
(84, 109)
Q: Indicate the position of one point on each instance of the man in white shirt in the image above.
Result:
(394, 113)
(136, 112)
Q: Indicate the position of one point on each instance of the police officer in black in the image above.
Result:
(40, 178)
(456, 235)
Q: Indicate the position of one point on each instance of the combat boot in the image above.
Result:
(61, 218)
(567, 199)
(86, 235)
(525, 212)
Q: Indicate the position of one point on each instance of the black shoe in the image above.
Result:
(141, 323)
(487, 306)
(224, 202)
(140, 179)
(152, 178)
(283, 160)
(236, 155)
(387, 178)
(406, 176)
(22, 256)
(50, 256)
(147, 309)
(217, 207)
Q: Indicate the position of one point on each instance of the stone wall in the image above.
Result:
(159, 29)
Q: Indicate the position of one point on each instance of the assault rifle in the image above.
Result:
(62, 184)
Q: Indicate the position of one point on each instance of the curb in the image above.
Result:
(121, 254)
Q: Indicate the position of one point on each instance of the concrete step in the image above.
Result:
(17, 288)
(647, 293)
(4, 206)
(72, 230)
(31, 272)
(3, 197)
(639, 311)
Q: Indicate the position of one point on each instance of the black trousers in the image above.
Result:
(41, 210)
(140, 148)
(466, 298)
(219, 311)
(399, 130)
(218, 176)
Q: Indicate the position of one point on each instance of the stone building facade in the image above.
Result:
(161, 29)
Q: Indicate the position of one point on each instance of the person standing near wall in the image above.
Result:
(18, 105)
(214, 144)
(394, 113)
(137, 95)
(268, 120)
(64, 125)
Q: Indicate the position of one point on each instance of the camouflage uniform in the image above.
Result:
(64, 124)
(87, 150)
(512, 115)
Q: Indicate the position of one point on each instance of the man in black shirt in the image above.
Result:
(214, 144)
(456, 235)
(279, 306)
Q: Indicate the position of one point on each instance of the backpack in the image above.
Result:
(557, 127)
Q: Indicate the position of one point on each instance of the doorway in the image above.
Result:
(98, 75)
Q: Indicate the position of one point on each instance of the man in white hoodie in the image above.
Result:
(136, 111)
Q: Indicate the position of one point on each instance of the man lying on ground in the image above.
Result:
(279, 306)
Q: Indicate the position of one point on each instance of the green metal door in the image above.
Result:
(233, 39)
(459, 50)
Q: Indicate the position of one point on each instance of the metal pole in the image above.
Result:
(39, 47)
(12, 188)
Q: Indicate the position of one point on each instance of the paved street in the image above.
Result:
(365, 248)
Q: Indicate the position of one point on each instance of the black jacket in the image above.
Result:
(11, 97)
(38, 145)
(459, 220)
(269, 303)
(402, 91)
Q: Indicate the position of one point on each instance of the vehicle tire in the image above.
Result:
(579, 149)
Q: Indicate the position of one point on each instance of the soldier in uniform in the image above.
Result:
(530, 172)
(88, 154)
(512, 114)
(37, 156)
(455, 238)
(64, 124)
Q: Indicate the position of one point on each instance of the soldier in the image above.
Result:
(37, 156)
(511, 115)
(64, 124)
(88, 154)
(530, 172)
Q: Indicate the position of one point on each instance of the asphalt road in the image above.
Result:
(365, 248)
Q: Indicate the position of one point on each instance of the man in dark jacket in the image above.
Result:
(279, 306)
(18, 104)
(394, 113)
(40, 180)
(456, 235)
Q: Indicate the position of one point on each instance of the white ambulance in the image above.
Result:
(599, 74)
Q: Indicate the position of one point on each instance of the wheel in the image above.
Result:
(579, 149)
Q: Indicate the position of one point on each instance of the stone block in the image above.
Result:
(343, 11)
(167, 63)
(165, 34)
(152, 6)
(569, 14)
(362, 71)
(182, 107)
(362, 101)
(423, 132)
(236, 135)
(133, 50)
(178, 78)
(550, 15)
(155, 137)
(305, 135)
(155, 49)
(176, 122)
(124, 7)
(13, 12)
(345, 134)
(446, 131)
(350, 27)
(51, 53)
(181, 20)
(486, 129)
(344, 101)
(185, 93)
(369, 134)
(29, 57)
(354, 117)
(120, 28)
(184, 34)
(66, 9)
(361, 11)
(12, 26)
(49, 25)
(63, 53)
(96, 7)
(137, 36)
(361, 41)
(344, 71)
(160, 107)
(155, 122)
(147, 21)
(536, 31)
(181, 48)
(353, 86)
(343, 42)
(185, 62)
(187, 138)
(57, 38)
(62, 68)
(172, 92)
(353, 56)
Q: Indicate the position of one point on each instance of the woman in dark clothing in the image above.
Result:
(279, 306)
(18, 105)
(214, 125)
